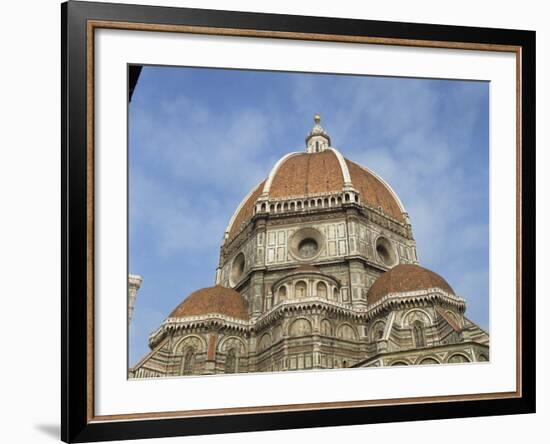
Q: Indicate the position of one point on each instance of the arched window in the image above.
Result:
(326, 328)
(377, 331)
(428, 361)
(189, 361)
(301, 289)
(457, 359)
(418, 334)
(265, 342)
(231, 361)
(322, 290)
(281, 294)
(346, 331)
(300, 327)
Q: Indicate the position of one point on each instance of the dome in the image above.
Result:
(404, 278)
(318, 171)
(215, 300)
(313, 173)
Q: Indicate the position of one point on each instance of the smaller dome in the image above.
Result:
(404, 278)
(215, 300)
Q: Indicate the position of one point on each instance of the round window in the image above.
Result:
(384, 251)
(308, 248)
(306, 244)
(237, 269)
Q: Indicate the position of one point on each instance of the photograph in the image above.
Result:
(275, 222)
(305, 221)
(291, 221)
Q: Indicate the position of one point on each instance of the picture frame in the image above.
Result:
(80, 21)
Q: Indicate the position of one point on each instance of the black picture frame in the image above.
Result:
(77, 424)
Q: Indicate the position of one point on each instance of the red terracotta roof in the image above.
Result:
(247, 210)
(217, 299)
(403, 278)
(304, 174)
(373, 191)
(307, 173)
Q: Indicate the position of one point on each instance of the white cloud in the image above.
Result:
(175, 221)
(180, 138)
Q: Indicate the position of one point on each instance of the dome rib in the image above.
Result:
(375, 191)
(343, 166)
(244, 211)
(405, 278)
(212, 300)
(273, 172)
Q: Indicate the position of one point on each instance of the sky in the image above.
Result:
(200, 139)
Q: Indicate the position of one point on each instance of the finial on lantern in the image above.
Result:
(317, 140)
(317, 118)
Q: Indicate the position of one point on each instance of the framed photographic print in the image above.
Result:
(276, 221)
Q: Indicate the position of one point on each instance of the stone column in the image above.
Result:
(134, 282)
(316, 338)
(357, 277)
(261, 236)
(257, 293)
(210, 364)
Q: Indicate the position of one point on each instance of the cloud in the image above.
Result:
(175, 220)
(145, 321)
(179, 138)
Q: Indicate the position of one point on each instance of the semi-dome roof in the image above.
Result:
(404, 278)
(215, 300)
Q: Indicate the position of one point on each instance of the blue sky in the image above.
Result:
(200, 139)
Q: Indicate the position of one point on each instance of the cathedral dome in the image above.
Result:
(404, 278)
(215, 300)
(318, 171)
